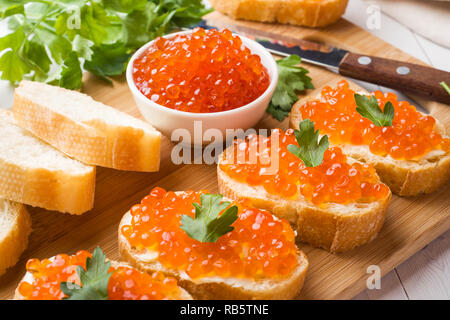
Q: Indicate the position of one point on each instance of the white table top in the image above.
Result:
(426, 275)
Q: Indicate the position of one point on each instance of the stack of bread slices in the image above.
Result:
(50, 142)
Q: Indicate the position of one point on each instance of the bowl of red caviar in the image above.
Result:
(200, 80)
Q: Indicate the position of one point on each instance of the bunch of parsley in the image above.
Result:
(52, 41)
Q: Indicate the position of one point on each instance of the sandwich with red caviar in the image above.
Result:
(85, 276)
(216, 249)
(410, 150)
(336, 203)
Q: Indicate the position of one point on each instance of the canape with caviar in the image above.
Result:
(336, 202)
(409, 149)
(86, 276)
(215, 248)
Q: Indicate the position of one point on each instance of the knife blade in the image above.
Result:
(311, 52)
(404, 76)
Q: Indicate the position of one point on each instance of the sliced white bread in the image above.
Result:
(34, 173)
(85, 129)
(214, 287)
(404, 177)
(182, 294)
(311, 13)
(334, 227)
(15, 227)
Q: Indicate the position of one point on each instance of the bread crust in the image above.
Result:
(310, 13)
(16, 240)
(404, 177)
(95, 142)
(184, 295)
(334, 228)
(52, 190)
(40, 185)
(216, 288)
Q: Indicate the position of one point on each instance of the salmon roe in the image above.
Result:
(335, 180)
(125, 283)
(203, 71)
(411, 136)
(259, 246)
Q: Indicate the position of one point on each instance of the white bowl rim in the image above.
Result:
(261, 51)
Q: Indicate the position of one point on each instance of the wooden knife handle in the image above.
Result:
(409, 77)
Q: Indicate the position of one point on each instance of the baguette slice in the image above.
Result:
(182, 295)
(85, 129)
(15, 227)
(217, 288)
(404, 177)
(34, 173)
(335, 227)
(310, 13)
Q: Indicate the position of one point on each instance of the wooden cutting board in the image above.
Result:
(411, 223)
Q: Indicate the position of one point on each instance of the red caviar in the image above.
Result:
(125, 283)
(411, 136)
(335, 180)
(203, 71)
(259, 246)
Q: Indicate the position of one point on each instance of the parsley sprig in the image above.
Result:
(370, 109)
(94, 280)
(311, 149)
(291, 80)
(207, 225)
(52, 41)
(445, 86)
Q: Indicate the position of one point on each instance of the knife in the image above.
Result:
(404, 76)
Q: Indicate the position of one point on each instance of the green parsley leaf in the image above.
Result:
(59, 46)
(83, 47)
(108, 60)
(14, 67)
(277, 113)
(207, 225)
(311, 149)
(71, 73)
(94, 21)
(94, 280)
(13, 41)
(125, 5)
(140, 26)
(186, 12)
(11, 7)
(291, 79)
(445, 86)
(37, 56)
(370, 109)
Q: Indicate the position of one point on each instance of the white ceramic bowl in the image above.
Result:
(168, 120)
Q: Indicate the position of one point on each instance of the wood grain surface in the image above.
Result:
(410, 225)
